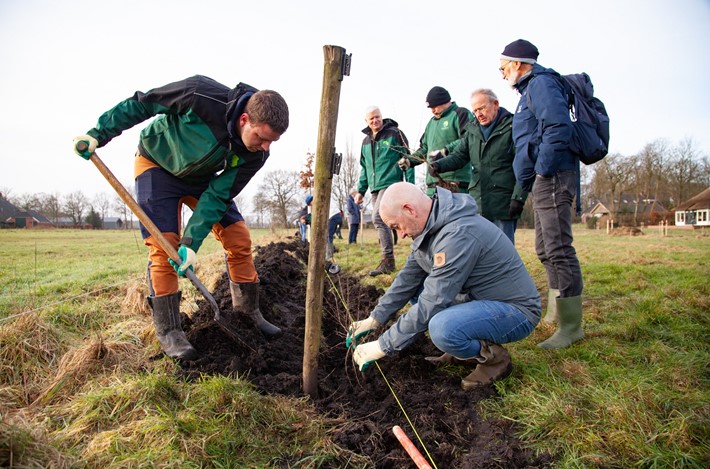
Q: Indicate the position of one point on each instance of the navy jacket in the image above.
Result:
(542, 128)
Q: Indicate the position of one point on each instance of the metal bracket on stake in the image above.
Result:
(335, 163)
(345, 65)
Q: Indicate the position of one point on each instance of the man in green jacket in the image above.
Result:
(206, 144)
(487, 147)
(383, 145)
(442, 135)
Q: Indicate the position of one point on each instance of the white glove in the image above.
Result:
(437, 154)
(90, 141)
(367, 353)
(404, 163)
(359, 329)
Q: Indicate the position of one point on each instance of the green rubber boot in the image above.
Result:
(569, 328)
(551, 315)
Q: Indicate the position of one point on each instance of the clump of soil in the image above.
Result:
(444, 415)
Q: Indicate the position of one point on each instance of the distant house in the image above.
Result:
(631, 210)
(7, 212)
(694, 211)
(113, 223)
(14, 217)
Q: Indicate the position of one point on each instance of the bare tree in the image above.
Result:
(28, 201)
(647, 171)
(611, 179)
(52, 206)
(101, 204)
(261, 209)
(687, 171)
(74, 206)
(120, 206)
(281, 190)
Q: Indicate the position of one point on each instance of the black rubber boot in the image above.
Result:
(168, 327)
(245, 298)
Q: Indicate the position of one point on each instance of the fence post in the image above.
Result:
(337, 64)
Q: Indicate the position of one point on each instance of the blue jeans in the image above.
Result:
(508, 228)
(303, 229)
(552, 205)
(458, 330)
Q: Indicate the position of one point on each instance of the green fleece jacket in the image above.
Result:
(379, 156)
(444, 132)
(193, 138)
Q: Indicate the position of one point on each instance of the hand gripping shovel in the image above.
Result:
(158, 235)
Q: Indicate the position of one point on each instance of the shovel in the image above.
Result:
(158, 235)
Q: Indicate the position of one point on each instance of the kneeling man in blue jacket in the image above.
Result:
(475, 291)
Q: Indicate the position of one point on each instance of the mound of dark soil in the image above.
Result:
(444, 415)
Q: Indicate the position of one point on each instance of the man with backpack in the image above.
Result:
(546, 166)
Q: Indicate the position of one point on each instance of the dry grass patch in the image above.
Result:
(79, 365)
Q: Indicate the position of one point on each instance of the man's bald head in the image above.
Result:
(405, 208)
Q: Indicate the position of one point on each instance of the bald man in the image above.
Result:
(476, 291)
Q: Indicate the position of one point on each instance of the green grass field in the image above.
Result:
(78, 387)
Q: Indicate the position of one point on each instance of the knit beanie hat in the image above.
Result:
(309, 199)
(520, 51)
(437, 96)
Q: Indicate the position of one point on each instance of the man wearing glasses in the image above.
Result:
(545, 165)
(487, 146)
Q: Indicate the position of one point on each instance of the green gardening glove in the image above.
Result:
(90, 144)
(360, 328)
(367, 353)
(189, 259)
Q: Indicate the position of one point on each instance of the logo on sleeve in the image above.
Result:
(439, 259)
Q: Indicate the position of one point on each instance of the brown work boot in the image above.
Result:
(386, 267)
(493, 364)
(448, 359)
(245, 299)
(168, 327)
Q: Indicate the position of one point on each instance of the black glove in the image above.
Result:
(515, 209)
(434, 169)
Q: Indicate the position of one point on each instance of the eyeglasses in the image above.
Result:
(480, 109)
(502, 67)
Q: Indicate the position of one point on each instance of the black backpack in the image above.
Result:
(590, 141)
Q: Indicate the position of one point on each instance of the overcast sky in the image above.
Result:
(66, 62)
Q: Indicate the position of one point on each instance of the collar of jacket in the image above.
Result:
(238, 98)
(448, 111)
(386, 124)
(441, 198)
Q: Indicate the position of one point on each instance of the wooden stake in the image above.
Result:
(323, 179)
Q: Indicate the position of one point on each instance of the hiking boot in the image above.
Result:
(168, 327)
(447, 359)
(386, 267)
(245, 298)
(493, 364)
(569, 323)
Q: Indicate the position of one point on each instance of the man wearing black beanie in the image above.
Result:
(545, 165)
(441, 136)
